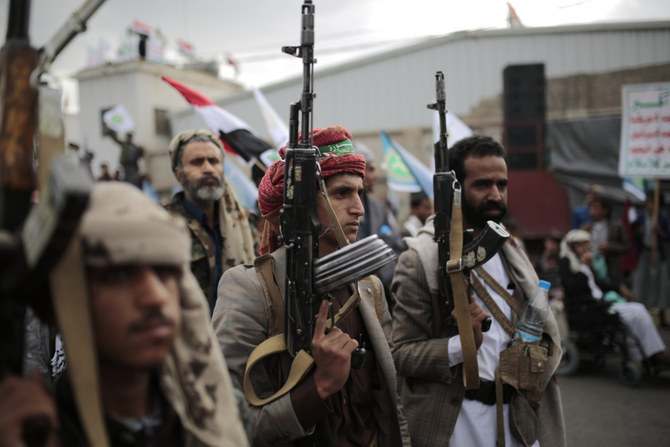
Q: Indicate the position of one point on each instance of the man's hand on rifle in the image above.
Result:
(477, 315)
(332, 355)
(24, 400)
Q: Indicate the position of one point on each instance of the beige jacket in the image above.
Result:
(241, 322)
(432, 392)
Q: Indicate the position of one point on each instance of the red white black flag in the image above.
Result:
(237, 136)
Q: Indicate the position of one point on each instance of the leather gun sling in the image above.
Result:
(491, 304)
(509, 328)
(302, 362)
(71, 306)
(461, 305)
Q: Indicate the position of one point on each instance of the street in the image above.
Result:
(601, 411)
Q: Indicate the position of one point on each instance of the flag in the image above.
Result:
(244, 188)
(404, 171)
(276, 127)
(233, 63)
(635, 186)
(456, 130)
(140, 28)
(237, 136)
(512, 17)
(185, 48)
(118, 119)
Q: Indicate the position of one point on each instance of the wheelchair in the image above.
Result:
(590, 334)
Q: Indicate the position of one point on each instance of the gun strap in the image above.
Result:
(461, 306)
(72, 308)
(302, 362)
(491, 304)
(337, 228)
(500, 290)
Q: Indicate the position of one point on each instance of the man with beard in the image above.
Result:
(220, 234)
(428, 354)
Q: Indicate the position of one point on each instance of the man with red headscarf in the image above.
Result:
(333, 402)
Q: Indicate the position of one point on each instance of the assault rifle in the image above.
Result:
(308, 279)
(32, 237)
(299, 223)
(447, 198)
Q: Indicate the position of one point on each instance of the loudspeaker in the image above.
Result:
(524, 112)
(524, 92)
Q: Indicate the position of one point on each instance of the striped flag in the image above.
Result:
(185, 48)
(238, 137)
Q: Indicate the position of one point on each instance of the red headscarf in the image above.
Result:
(336, 158)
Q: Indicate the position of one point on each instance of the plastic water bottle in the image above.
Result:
(532, 321)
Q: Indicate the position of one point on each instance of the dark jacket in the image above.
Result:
(169, 433)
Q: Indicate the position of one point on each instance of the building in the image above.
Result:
(149, 100)
(584, 66)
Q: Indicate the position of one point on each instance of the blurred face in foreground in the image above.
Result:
(136, 314)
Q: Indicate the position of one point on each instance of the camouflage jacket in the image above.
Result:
(202, 250)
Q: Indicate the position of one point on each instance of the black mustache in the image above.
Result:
(150, 318)
(491, 206)
(206, 178)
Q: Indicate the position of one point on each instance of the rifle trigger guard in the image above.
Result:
(455, 265)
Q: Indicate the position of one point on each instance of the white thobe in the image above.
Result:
(476, 423)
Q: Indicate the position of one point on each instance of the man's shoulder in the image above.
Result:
(176, 204)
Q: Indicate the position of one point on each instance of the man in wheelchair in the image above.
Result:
(586, 284)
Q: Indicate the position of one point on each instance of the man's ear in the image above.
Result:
(179, 174)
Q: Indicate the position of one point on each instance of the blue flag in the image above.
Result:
(245, 190)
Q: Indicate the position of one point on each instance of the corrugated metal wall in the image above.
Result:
(390, 91)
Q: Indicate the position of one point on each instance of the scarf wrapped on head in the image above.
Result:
(124, 226)
(573, 237)
(338, 156)
(238, 244)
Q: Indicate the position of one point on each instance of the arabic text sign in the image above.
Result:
(645, 131)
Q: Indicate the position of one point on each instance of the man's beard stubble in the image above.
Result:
(203, 193)
(476, 216)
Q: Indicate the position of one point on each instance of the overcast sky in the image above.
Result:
(253, 31)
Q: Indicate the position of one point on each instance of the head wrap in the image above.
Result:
(177, 144)
(338, 156)
(124, 226)
(238, 244)
(573, 237)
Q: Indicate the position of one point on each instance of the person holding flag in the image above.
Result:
(220, 234)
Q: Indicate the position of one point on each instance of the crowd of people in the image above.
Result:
(186, 309)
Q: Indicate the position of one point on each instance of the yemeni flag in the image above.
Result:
(237, 136)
